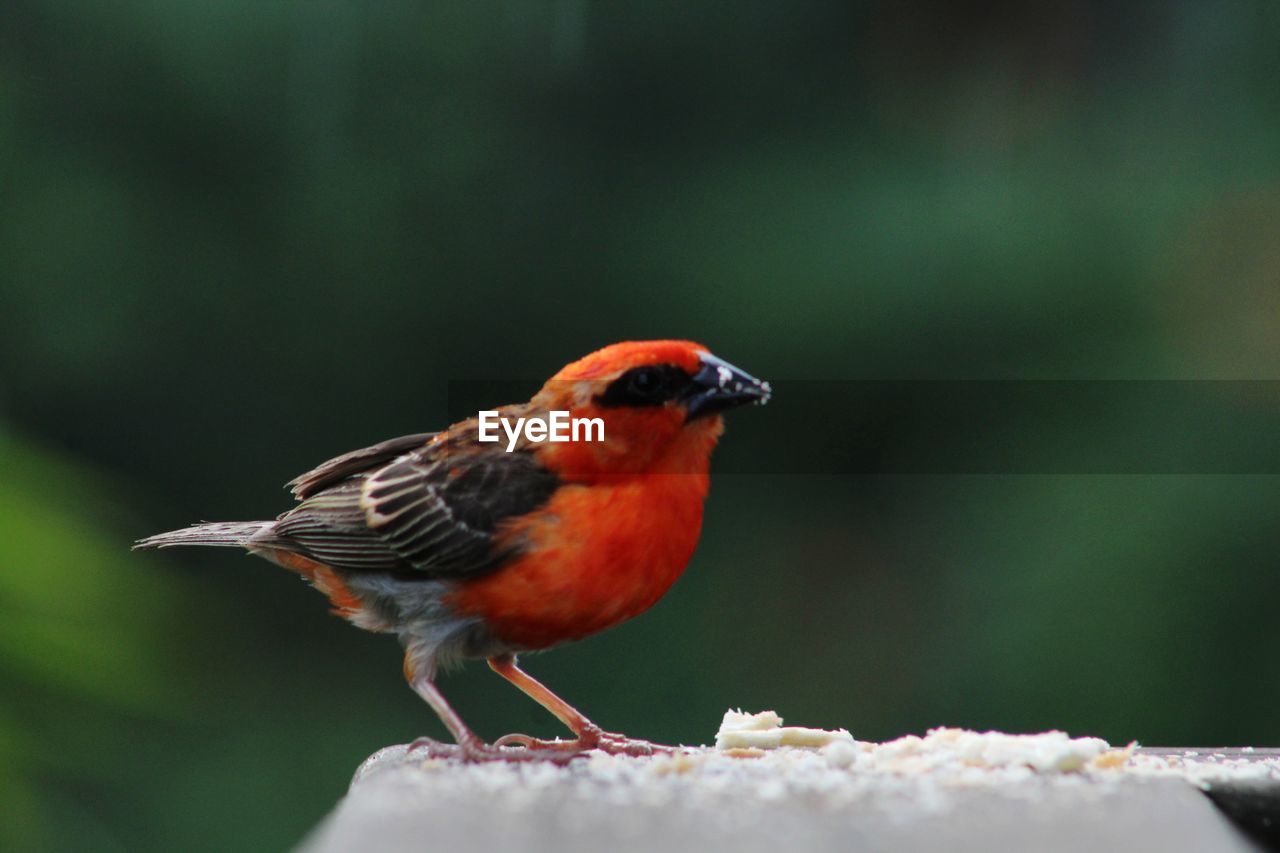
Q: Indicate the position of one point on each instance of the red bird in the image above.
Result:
(465, 548)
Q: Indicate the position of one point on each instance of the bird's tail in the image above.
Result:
(223, 534)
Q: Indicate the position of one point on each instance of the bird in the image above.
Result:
(465, 548)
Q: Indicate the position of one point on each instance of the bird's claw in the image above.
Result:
(538, 744)
(609, 743)
(521, 747)
(617, 744)
(434, 748)
(475, 752)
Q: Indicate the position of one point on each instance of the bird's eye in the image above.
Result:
(650, 385)
(646, 382)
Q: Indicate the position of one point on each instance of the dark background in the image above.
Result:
(237, 238)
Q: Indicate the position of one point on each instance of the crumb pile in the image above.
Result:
(960, 756)
(745, 735)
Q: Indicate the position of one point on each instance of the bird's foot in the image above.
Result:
(619, 744)
(593, 738)
(432, 748)
(534, 744)
(477, 751)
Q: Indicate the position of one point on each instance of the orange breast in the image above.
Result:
(595, 556)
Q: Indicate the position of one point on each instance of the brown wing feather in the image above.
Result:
(341, 467)
(433, 512)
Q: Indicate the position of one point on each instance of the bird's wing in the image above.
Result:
(434, 513)
(341, 467)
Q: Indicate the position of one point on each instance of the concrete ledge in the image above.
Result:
(790, 799)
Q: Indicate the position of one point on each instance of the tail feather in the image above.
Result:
(223, 534)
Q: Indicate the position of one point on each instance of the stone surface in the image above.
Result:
(787, 799)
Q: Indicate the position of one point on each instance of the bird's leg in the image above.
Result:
(589, 735)
(468, 746)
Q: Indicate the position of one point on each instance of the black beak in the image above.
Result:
(718, 386)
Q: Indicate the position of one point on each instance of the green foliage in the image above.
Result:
(82, 626)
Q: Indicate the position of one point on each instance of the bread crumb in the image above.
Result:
(1113, 759)
(840, 753)
(679, 763)
(743, 752)
(765, 731)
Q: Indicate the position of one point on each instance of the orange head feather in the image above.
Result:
(612, 360)
(659, 402)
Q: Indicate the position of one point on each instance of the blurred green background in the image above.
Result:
(238, 238)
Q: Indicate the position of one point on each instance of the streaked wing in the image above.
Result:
(330, 527)
(341, 467)
(433, 512)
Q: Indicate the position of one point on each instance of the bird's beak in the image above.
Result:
(719, 385)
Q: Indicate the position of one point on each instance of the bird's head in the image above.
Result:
(660, 403)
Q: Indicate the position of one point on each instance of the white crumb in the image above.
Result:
(1047, 752)
(765, 731)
